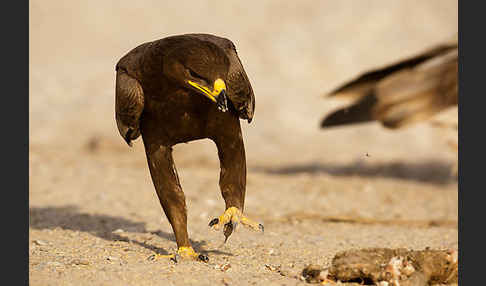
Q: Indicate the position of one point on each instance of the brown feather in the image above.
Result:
(129, 103)
(402, 93)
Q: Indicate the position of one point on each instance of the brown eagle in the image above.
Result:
(411, 90)
(183, 88)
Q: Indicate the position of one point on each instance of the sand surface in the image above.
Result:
(94, 214)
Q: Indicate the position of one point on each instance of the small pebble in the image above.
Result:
(40, 242)
(226, 281)
(272, 252)
(111, 258)
(118, 231)
(323, 275)
(272, 267)
(80, 262)
(285, 273)
(74, 234)
(54, 263)
(223, 267)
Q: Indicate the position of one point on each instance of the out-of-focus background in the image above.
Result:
(85, 181)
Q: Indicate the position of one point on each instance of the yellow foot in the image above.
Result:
(230, 219)
(184, 252)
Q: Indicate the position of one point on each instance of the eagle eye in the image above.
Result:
(196, 75)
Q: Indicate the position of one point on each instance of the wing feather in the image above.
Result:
(402, 93)
(129, 104)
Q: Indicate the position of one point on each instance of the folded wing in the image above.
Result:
(129, 103)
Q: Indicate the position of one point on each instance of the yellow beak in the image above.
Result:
(218, 87)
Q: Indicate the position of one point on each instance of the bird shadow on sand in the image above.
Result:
(432, 172)
(102, 226)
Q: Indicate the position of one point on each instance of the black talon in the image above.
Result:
(175, 258)
(151, 257)
(214, 221)
(260, 226)
(228, 230)
(203, 258)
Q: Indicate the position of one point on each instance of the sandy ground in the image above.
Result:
(94, 214)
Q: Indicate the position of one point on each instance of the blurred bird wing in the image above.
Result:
(129, 104)
(407, 91)
(361, 85)
(416, 94)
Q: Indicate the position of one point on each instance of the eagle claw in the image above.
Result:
(228, 229)
(203, 257)
(213, 222)
(229, 221)
(176, 257)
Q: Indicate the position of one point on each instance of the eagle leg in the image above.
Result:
(171, 197)
(232, 180)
